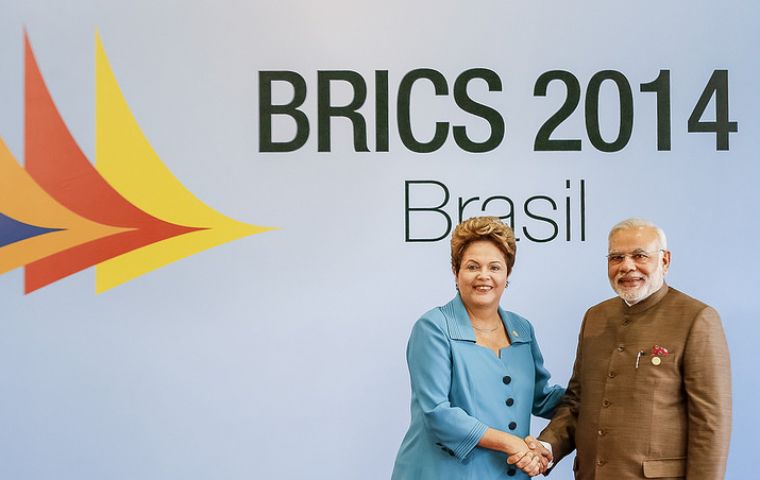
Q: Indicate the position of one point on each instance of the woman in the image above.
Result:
(476, 371)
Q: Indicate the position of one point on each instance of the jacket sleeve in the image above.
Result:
(707, 382)
(429, 359)
(560, 432)
(545, 396)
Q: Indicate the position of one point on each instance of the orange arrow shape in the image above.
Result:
(25, 201)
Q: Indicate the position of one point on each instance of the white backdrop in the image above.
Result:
(281, 355)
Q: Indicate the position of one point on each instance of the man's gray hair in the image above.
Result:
(636, 222)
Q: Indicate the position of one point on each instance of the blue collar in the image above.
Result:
(460, 328)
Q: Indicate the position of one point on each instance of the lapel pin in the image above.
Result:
(658, 353)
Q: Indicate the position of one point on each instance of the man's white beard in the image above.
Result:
(633, 296)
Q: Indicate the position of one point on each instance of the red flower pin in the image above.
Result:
(659, 351)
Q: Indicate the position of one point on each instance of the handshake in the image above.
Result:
(531, 456)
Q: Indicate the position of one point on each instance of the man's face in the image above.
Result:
(636, 266)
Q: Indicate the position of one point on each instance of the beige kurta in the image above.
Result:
(664, 416)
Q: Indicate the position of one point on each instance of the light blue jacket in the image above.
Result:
(459, 389)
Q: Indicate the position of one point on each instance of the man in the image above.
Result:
(650, 393)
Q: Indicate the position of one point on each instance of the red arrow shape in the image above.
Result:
(58, 165)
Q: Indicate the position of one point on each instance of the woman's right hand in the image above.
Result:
(523, 456)
(528, 461)
(520, 453)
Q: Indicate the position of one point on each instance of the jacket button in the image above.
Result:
(606, 403)
(620, 348)
(507, 380)
(512, 425)
(601, 463)
(612, 374)
(510, 402)
(601, 432)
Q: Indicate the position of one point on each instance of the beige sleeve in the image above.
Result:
(707, 381)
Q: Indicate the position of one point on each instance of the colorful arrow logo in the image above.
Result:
(126, 215)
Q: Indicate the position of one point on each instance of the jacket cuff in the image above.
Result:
(470, 441)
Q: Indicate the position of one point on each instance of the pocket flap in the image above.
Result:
(665, 468)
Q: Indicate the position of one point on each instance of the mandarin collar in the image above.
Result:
(647, 303)
(460, 327)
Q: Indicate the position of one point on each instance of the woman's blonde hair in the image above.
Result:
(490, 229)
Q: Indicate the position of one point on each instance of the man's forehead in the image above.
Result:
(631, 239)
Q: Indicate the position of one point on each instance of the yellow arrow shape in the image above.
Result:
(124, 157)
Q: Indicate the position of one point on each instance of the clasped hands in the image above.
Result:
(534, 460)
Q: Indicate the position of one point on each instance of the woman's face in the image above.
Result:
(482, 275)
